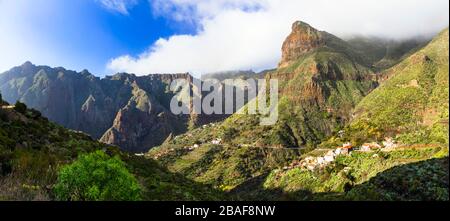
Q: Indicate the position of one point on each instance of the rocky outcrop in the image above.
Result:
(143, 123)
(130, 111)
(302, 39)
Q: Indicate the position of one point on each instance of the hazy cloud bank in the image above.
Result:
(247, 34)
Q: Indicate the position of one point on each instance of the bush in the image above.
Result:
(96, 176)
(34, 114)
(3, 116)
(2, 102)
(229, 133)
(20, 107)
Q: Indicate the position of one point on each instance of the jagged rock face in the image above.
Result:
(130, 111)
(136, 131)
(143, 122)
(321, 78)
(302, 39)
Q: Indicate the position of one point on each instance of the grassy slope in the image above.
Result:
(316, 93)
(241, 166)
(222, 166)
(366, 178)
(32, 150)
(321, 80)
(413, 103)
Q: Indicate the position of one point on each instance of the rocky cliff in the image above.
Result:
(124, 109)
(302, 39)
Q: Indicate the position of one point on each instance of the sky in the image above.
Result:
(196, 36)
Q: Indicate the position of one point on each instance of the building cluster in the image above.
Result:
(320, 162)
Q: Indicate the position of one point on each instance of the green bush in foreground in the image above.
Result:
(96, 176)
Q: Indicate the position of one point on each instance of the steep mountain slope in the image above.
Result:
(146, 120)
(411, 105)
(384, 53)
(130, 111)
(320, 81)
(418, 172)
(223, 165)
(412, 102)
(126, 110)
(330, 75)
(32, 151)
(234, 75)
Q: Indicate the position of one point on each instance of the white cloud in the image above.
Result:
(120, 6)
(248, 34)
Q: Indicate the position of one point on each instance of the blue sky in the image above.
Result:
(197, 36)
(77, 34)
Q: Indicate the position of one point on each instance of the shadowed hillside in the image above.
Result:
(33, 151)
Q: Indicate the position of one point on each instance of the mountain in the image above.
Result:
(411, 107)
(234, 75)
(412, 102)
(320, 80)
(130, 111)
(329, 74)
(33, 150)
(146, 120)
(384, 53)
(326, 85)
(359, 119)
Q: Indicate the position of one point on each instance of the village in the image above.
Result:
(309, 163)
(319, 162)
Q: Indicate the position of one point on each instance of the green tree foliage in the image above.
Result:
(2, 102)
(20, 107)
(96, 176)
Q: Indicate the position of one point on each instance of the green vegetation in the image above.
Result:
(412, 104)
(405, 174)
(20, 107)
(39, 160)
(425, 180)
(223, 167)
(327, 98)
(96, 176)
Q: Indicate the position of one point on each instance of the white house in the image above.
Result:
(328, 158)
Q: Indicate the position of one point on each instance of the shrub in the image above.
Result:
(3, 116)
(20, 107)
(229, 133)
(96, 176)
(35, 114)
(2, 102)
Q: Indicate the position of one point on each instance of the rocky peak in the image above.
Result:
(27, 64)
(302, 39)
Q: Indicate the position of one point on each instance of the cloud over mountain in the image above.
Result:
(246, 34)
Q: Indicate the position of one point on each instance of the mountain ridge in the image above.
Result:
(82, 101)
(349, 128)
(319, 90)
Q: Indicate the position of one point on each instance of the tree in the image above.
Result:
(20, 107)
(1, 100)
(96, 176)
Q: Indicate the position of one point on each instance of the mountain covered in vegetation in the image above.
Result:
(359, 119)
(40, 160)
(130, 111)
(330, 94)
